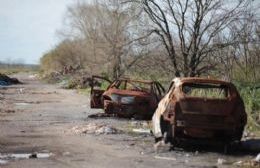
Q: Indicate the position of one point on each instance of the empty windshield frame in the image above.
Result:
(205, 90)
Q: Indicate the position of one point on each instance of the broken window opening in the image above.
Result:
(211, 91)
(133, 85)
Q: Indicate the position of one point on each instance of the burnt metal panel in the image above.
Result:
(201, 116)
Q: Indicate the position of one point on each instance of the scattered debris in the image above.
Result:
(44, 93)
(52, 77)
(257, 159)
(28, 103)
(94, 128)
(43, 155)
(196, 153)
(164, 158)
(22, 104)
(2, 162)
(7, 111)
(25, 155)
(140, 124)
(238, 163)
(106, 130)
(221, 161)
(5, 158)
(76, 82)
(100, 115)
(6, 80)
(21, 90)
(66, 153)
(248, 163)
(142, 131)
(161, 146)
(33, 156)
(34, 76)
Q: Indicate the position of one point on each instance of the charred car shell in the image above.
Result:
(200, 109)
(128, 98)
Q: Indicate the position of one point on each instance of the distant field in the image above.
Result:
(11, 69)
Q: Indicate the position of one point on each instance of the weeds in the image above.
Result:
(250, 94)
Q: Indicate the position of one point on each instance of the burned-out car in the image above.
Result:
(200, 109)
(126, 98)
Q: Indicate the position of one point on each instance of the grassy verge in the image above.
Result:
(250, 94)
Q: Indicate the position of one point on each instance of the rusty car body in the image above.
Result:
(200, 109)
(127, 98)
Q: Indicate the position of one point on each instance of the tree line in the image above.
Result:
(157, 38)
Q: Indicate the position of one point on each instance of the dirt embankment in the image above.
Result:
(42, 125)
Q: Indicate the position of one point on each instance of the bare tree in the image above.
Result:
(110, 31)
(187, 29)
(246, 53)
(85, 28)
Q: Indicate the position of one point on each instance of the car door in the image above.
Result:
(159, 90)
(98, 86)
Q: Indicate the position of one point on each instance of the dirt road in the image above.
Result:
(38, 129)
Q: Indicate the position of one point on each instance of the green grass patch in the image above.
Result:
(84, 91)
(250, 94)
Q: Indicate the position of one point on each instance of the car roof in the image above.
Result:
(180, 81)
(133, 80)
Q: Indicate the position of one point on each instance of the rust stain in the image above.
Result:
(128, 98)
(198, 108)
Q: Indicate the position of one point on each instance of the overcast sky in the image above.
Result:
(28, 28)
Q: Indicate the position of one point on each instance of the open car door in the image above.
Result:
(98, 86)
(159, 90)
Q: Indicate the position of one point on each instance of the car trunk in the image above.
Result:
(199, 117)
(204, 106)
